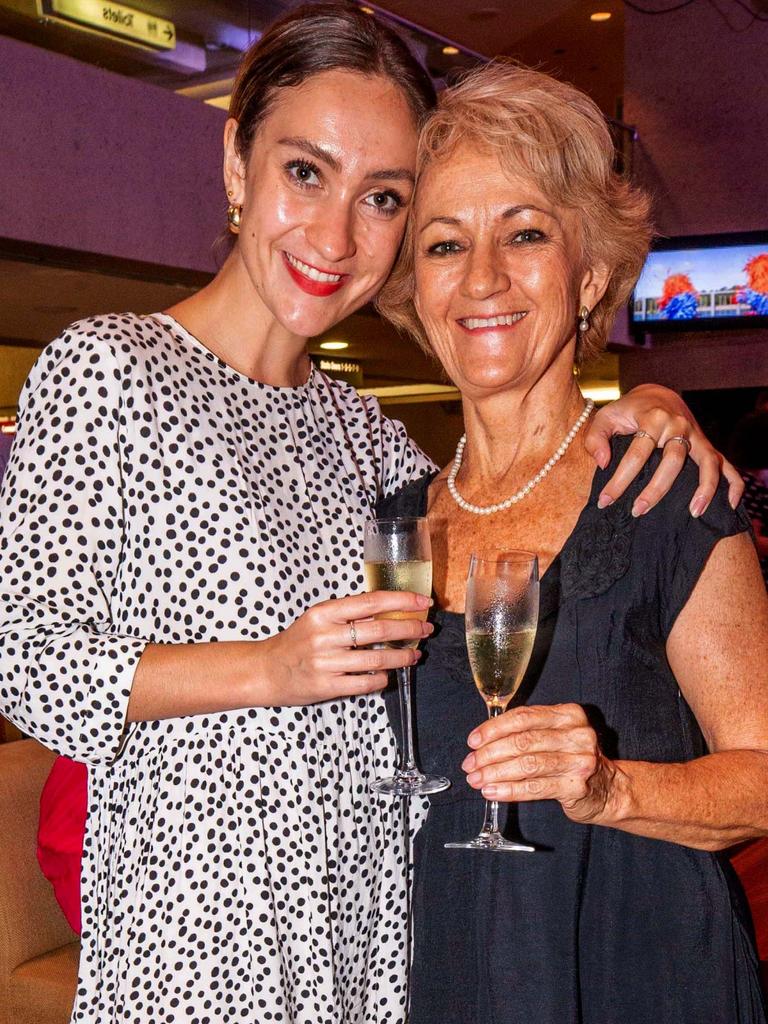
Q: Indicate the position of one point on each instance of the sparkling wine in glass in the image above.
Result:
(501, 613)
(398, 556)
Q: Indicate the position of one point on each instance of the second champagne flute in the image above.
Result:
(398, 556)
(501, 612)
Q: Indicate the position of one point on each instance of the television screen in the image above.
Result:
(703, 282)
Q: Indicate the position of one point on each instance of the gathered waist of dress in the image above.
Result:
(349, 724)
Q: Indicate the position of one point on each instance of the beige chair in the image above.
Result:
(38, 950)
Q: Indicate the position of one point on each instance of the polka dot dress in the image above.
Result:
(237, 866)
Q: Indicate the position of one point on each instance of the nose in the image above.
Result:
(484, 274)
(331, 232)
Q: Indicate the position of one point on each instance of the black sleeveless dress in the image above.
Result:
(598, 926)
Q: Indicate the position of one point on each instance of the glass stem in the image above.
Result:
(407, 762)
(491, 819)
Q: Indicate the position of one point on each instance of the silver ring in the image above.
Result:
(353, 635)
(644, 433)
(681, 439)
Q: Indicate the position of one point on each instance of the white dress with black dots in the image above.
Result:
(237, 866)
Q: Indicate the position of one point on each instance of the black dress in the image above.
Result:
(598, 926)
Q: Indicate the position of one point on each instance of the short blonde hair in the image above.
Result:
(555, 136)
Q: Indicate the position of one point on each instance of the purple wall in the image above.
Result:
(697, 92)
(94, 161)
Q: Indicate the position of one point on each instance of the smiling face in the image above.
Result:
(498, 272)
(325, 193)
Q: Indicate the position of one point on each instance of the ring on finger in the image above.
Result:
(644, 433)
(680, 439)
(353, 635)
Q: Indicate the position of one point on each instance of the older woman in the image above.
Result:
(642, 749)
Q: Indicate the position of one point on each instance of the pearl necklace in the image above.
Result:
(487, 510)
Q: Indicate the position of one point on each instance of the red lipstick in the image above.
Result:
(309, 285)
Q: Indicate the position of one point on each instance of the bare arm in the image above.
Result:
(312, 660)
(718, 650)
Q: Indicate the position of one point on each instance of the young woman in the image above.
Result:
(181, 526)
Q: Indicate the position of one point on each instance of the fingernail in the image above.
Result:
(640, 507)
(697, 506)
(427, 628)
(423, 601)
(490, 791)
(416, 655)
(474, 777)
(474, 739)
(468, 764)
(733, 502)
(603, 459)
(604, 501)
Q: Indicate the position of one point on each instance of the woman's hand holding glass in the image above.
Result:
(327, 652)
(542, 752)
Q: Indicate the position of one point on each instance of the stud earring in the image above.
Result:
(583, 319)
(234, 216)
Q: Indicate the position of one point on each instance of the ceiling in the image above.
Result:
(39, 297)
(212, 34)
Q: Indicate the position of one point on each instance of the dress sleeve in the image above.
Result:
(65, 669)
(690, 541)
(401, 460)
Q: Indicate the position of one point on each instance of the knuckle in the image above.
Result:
(521, 741)
(534, 786)
(378, 629)
(529, 763)
(573, 712)
(584, 738)
(375, 661)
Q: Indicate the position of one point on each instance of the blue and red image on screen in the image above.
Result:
(707, 283)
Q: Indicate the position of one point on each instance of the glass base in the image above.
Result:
(491, 841)
(412, 783)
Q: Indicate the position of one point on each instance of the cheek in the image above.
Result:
(432, 290)
(377, 246)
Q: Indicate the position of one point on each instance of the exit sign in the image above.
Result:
(116, 20)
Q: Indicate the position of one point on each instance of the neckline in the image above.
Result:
(172, 324)
(552, 573)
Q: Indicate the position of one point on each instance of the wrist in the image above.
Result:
(256, 677)
(620, 797)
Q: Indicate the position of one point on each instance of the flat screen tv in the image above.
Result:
(701, 282)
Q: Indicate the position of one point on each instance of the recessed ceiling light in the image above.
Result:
(450, 51)
(334, 346)
(367, 10)
(600, 16)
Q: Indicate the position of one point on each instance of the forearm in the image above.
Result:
(173, 680)
(709, 803)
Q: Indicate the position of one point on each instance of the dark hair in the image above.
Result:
(323, 37)
(748, 447)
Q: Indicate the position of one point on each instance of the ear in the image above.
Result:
(594, 283)
(234, 165)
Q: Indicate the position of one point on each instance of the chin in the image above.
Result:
(308, 323)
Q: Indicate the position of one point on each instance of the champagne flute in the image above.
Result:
(398, 556)
(501, 613)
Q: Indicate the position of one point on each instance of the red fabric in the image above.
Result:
(751, 864)
(63, 804)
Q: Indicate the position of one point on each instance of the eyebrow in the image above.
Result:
(508, 214)
(326, 157)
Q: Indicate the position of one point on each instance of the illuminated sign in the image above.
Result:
(116, 19)
(341, 369)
